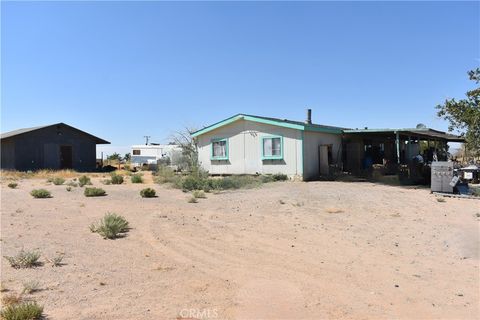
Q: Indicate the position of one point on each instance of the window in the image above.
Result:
(136, 152)
(272, 148)
(219, 149)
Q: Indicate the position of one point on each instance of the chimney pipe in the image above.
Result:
(309, 116)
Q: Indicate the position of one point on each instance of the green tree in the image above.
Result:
(464, 115)
(114, 156)
(127, 157)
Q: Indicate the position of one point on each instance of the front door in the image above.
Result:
(66, 157)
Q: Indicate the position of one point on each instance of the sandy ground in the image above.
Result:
(290, 250)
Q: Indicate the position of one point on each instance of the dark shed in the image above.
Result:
(56, 146)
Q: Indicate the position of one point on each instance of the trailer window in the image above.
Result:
(219, 149)
(136, 152)
(272, 147)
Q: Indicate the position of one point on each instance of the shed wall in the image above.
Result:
(40, 149)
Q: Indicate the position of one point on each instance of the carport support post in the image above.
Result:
(397, 143)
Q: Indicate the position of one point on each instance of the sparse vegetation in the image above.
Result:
(110, 226)
(29, 310)
(441, 200)
(192, 199)
(107, 181)
(12, 185)
(68, 189)
(165, 175)
(136, 178)
(116, 179)
(94, 192)
(24, 259)
(12, 298)
(58, 181)
(40, 193)
(147, 193)
(56, 261)
(84, 180)
(31, 286)
(199, 194)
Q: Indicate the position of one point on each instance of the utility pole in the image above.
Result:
(146, 139)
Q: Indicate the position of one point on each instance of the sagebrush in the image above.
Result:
(24, 259)
(110, 226)
(94, 192)
(147, 193)
(116, 179)
(136, 178)
(40, 193)
(28, 310)
(12, 185)
(84, 180)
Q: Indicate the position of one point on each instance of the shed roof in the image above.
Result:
(299, 125)
(421, 132)
(27, 130)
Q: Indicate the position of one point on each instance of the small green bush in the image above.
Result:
(40, 193)
(110, 226)
(116, 179)
(199, 194)
(165, 175)
(58, 181)
(28, 310)
(94, 192)
(12, 185)
(147, 193)
(24, 259)
(84, 180)
(136, 178)
(107, 182)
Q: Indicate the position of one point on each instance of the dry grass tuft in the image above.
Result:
(11, 299)
(334, 210)
(441, 200)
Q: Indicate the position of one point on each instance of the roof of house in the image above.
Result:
(27, 130)
(420, 132)
(299, 125)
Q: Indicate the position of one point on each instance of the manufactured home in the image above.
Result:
(56, 146)
(248, 144)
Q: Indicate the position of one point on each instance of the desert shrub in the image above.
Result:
(190, 183)
(116, 179)
(29, 310)
(40, 193)
(165, 175)
(280, 177)
(68, 188)
(192, 200)
(58, 181)
(84, 180)
(110, 226)
(136, 178)
(55, 261)
(199, 194)
(12, 185)
(107, 182)
(24, 259)
(31, 286)
(476, 191)
(147, 193)
(94, 192)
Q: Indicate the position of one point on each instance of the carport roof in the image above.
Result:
(421, 132)
(27, 130)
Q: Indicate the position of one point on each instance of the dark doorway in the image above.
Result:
(66, 157)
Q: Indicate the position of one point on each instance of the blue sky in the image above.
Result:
(122, 70)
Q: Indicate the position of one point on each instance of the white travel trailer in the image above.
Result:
(149, 155)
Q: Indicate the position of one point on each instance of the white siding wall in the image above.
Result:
(244, 144)
(312, 140)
